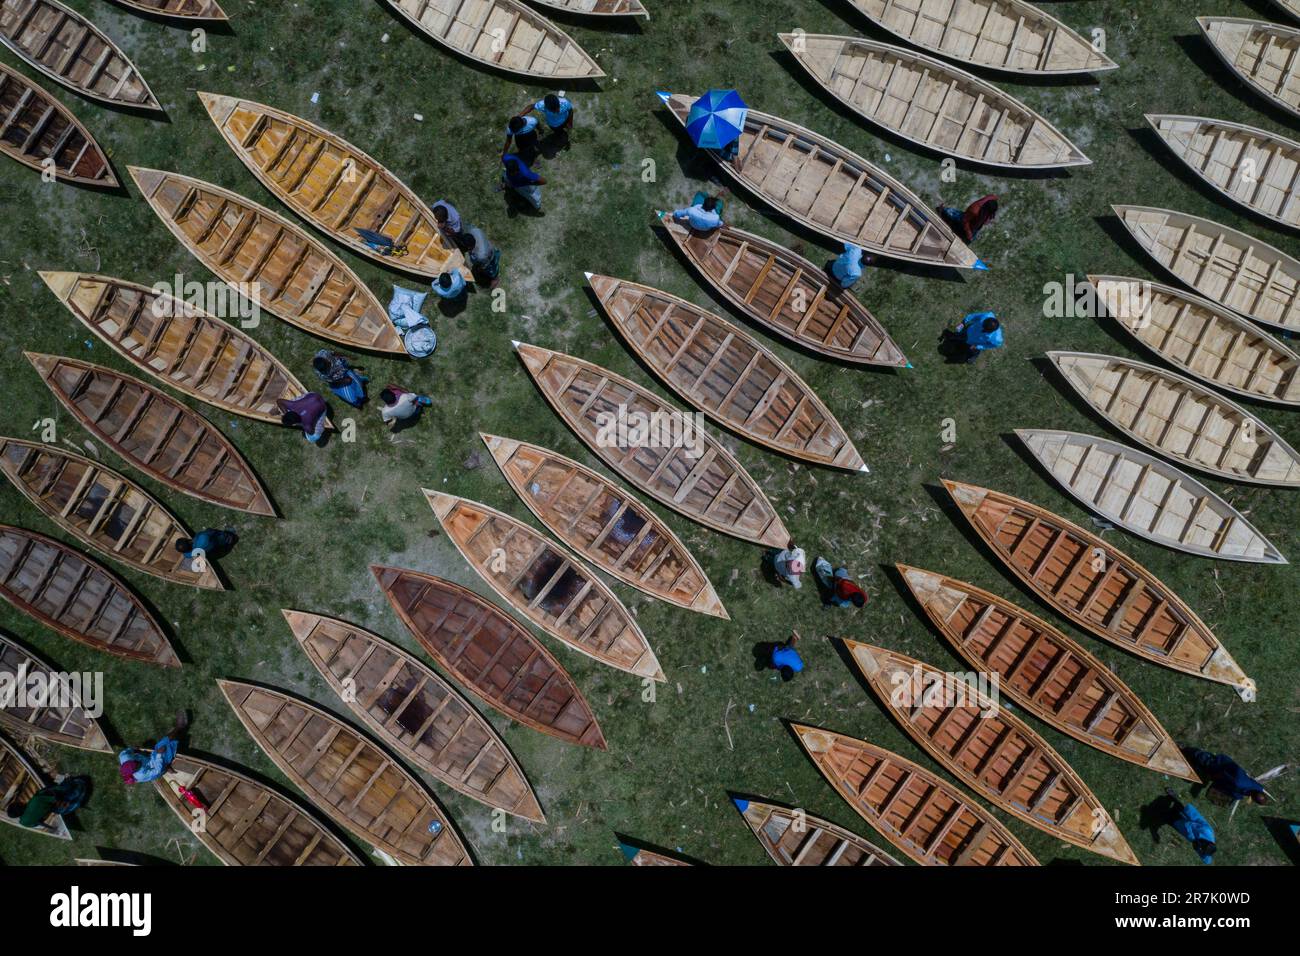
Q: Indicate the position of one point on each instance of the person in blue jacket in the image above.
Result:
(974, 334)
(1187, 820)
(847, 269)
(780, 657)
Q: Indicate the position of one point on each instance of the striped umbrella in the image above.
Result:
(717, 119)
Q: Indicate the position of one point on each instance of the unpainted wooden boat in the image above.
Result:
(103, 510)
(932, 822)
(1148, 497)
(1290, 6)
(796, 838)
(932, 103)
(1049, 674)
(654, 446)
(491, 653)
(19, 782)
(640, 856)
(246, 823)
(604, 524)
(1181, 419)
(348, 777)
(58, 716)
(1262, 54)
(41, 133)
(786, 294)
(178, 9)
(293, 276)
(1097, 586)
(597, 8)
(416, 712)
(823, 186)
(726, 373)
(503, 34)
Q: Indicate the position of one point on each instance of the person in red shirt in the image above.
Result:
(841, 591)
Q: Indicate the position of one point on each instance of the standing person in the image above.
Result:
(1227, 780)
(307, 412)
(522, 131)
(518, 176)
(401, 404)
(450, 286)
(704, 214)
(974, 334)
(144, 764)
(447, 218)
(484, 258)
(212, 543)
(789, 565)
(60, 799)
(557, 112)
(1187, 820)
(971, 222)
(343, 379)
(841, 590)
(847, 269)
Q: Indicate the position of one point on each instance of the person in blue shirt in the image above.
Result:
(518, 176)
(847, 269)
(557, 112)
(210, 542)
(704, 214)
(1187, 820)
(780, 657)
(449, 286)
(974, 334)
(522, 131)
(1228, 781)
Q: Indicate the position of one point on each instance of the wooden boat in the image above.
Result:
(608, 527)
(675, 462)
(179, 344)
(1148, 497)
(1046, 672)
(79, 598)
(1096, 586)
(934, 823)
(597, 8)
(726, 373)
(296, 278)
(178, 9)
(786, 294)
(546, 584)
(245, 823)
(1262, 54)
(640, 856)
(36, 129)
(351, 779)
(795, 838)
(102, 510)
(491, 653)
(830, 190)
(1290, 6)
(157, 435)
(933, 104)
(58, 718)
(503, 34)
(417, 713)
(20, 781)
(333, 185)
(1226, 266)
(1181, 419)
(1202, 339)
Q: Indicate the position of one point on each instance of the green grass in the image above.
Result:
(716, 724)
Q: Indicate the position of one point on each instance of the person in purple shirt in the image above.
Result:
(448, 218)
(307, 413)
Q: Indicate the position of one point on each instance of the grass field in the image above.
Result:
(716, 724)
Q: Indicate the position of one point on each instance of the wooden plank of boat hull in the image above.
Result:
(1261, 54)
(178, 9)
(62, 721)
(38, 130)
(19, 782)
(598, 8)
(786, 834)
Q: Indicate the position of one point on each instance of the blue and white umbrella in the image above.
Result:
(717, 119)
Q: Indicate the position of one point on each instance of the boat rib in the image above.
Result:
(796, 838)
(19, 782)
(597, 8)
(1262, 54)
(38, 130)
(59, 718)
(178, 9)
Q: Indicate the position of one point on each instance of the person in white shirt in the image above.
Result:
(400, 405)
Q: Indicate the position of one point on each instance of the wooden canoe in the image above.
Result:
(933, 104)
(178, 9)
(695, 476)
(20, 781)
(597, 8)
(492, 654)
(726, 373)
(932, 822)
(36, 129)
(79, 598)
(1181, 419)
(1049, 674)
(332, 185)
(179, 344)
(604, 524)
(826, 188)
(1096, 586)
(990, 750)
(1261, 54)
(297, 278)
(640, 856)
(796, 838)
(503, 34)
(1290, 6)
(348, 777)
(157, 435)
(416, 713)
(1202, 339)
(245, 823)
(62, 721)
(787, 295)
(1148, 497)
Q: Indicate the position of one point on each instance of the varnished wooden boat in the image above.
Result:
(179, 344)
(245, 823)
(830, 190)
(1262, 54)
(546, 584)
(1203, 340)
(1096, 586)
(297, 278)
(1049, 674)
(932, 103)
(640, 856)
(348, 777)
(1007, 35)
(786, 294)
(79, 598)
(491, 653)
(503, 34)
(103, 510)
(608, 527)
(1148, 497)
(1181, 419)
(333, 185)
(178, 9)
(62, 720)
(698, 478)
(796, 838)
(157, 435)
(20, 781)
(597, 8)
(36, 129)
(932, 822)
(726, 373)
(417, 713)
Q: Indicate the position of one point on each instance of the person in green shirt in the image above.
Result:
(60, 799)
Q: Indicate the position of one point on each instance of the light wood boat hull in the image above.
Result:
(796, 838)
(177, 9)
(597, 8)
(19, 782)
(1290, 6)
(1261, 54)
(62, 721)
(37, 129)
(639, 856)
